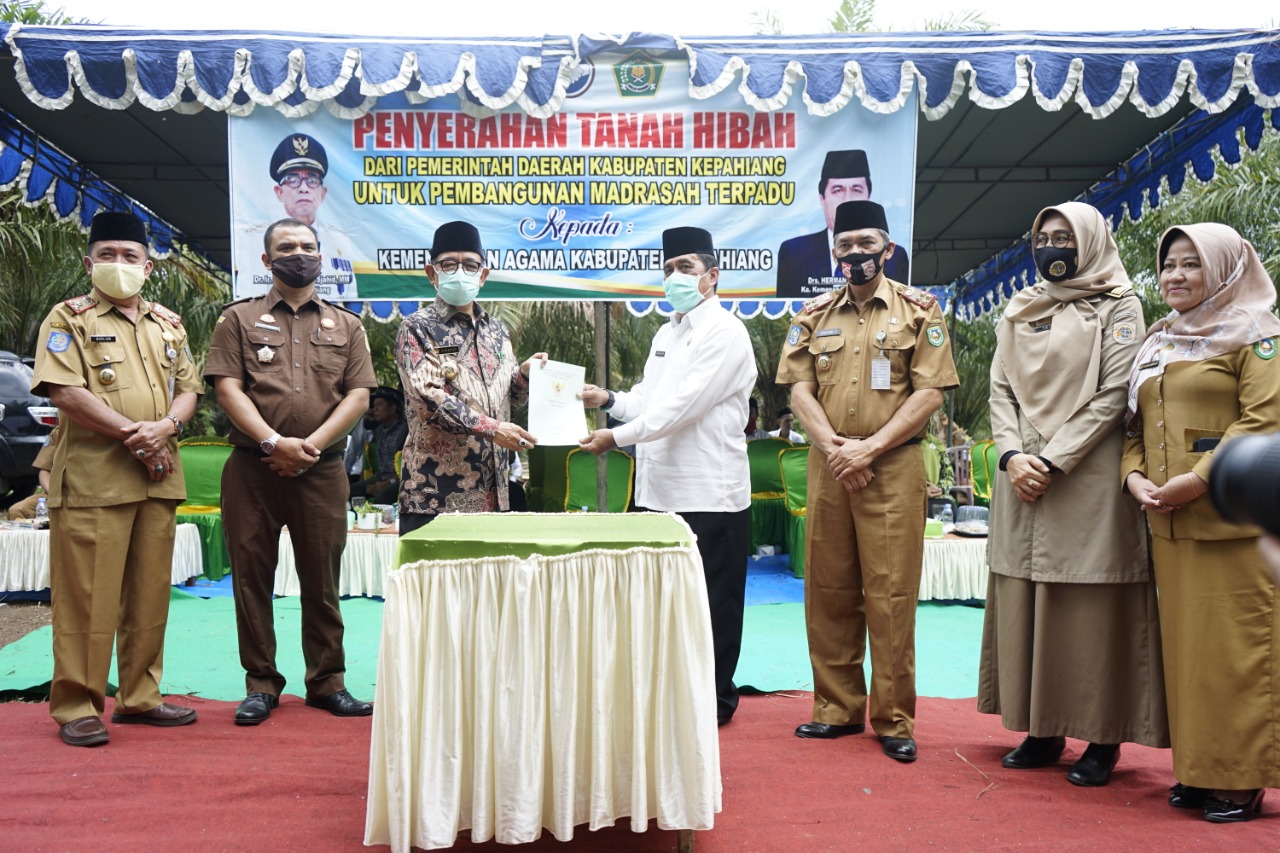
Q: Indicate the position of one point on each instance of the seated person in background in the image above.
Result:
(26, 508)
(753, 429)
(381, 484)
(784, 430)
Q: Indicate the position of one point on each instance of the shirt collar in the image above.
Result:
(702, 313)
(275, 296)
(882, 292)
(447, 311)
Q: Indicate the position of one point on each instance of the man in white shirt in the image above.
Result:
(685, 419)
(784, 430)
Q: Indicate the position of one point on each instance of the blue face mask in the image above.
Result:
(459, 287)
(682, 291)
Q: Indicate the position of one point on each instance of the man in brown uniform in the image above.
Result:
(120, 371)
(293, 373)
(867, 364)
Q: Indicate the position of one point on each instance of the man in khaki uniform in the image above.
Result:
(867, 364)
(293, 373)
(119, 369)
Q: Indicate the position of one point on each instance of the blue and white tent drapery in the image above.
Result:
(297, 73)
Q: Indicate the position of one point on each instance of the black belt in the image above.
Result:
(324, 457)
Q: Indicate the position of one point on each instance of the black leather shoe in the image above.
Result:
(86, 731)
(342, 704)
(1227, 811)
(721, 722)
(1035, 752)
(1187, 796)
(1093, 769)
(828, 731)
(899, 748)
(161, 715)
(255, 708)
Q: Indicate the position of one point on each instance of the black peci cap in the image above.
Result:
(686, 241)
(846, 164)
(856, 215)
(457, 237)
(117, 225)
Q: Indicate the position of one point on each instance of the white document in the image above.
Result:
(556, 415)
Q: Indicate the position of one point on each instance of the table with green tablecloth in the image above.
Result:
(543, 671)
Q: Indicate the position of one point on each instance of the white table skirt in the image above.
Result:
(24, 558)
(515, 695)
(365, 563)
(954, 569)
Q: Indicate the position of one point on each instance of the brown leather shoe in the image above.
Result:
(86, 731)
(161, 715)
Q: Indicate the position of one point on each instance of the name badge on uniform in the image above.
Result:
(103, 339)
(267, 326)
(827, 333)
(660, 353)
(1155, 362)
(880, 373)
(1041, 327)
(447, 350)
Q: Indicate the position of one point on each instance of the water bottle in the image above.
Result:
(42, 514)
(946, 516)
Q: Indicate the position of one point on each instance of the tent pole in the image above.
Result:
(602, 380)
(951, 395)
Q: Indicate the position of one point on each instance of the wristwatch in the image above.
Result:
(608, 404)
(268, 444)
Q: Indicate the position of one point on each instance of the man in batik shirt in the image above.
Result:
(461, 379)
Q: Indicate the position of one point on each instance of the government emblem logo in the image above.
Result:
(1265, 349)
(638, 76)
(934, 335)
(582, 79)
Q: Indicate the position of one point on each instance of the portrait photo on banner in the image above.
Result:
(572, 205)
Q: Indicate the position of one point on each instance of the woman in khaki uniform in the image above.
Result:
(1206, 374)
(1071, 640)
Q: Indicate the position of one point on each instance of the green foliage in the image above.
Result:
(973, 346)
(853, 16)
(35, 12)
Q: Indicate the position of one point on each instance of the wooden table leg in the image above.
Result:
(685, 840)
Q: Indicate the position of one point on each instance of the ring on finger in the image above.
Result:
(141, 453)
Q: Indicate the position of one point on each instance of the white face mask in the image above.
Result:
(459, 287)
(119, 281)
(682, 291)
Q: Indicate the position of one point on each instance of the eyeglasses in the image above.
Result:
(451, 266)
(293, 180)
(1059, 239)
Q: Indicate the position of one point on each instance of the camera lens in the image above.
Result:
(1245, 484)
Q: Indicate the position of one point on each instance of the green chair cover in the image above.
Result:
(794, 463)
(202, 461)
(213, 541)
(580, 476)
(547, 486)
(762, 457)
(984, 465)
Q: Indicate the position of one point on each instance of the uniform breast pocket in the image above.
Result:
(831, 359)
(1202, 440)
(107, 372)
(329, 352)
(266, 351)
(899, 355)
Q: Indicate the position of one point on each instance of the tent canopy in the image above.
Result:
(1009, 122)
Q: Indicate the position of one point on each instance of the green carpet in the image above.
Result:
(201, 657)
(200, 654)
(775, 654)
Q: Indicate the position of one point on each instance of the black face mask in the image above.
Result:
(297, 270)
(859, 267)
(1056, 264)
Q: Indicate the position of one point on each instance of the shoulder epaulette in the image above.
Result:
(342, 306)
(241, 299)
(80, 304)
(917, 297)
(165, 314)
(1120, 290)
(818, 302)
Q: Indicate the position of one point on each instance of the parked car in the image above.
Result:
(22, 431)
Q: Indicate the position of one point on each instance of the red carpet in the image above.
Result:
(298, 781)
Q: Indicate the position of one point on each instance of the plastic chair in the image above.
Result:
(580, 476)
(960, 464)
(794, 464)
(984, 463)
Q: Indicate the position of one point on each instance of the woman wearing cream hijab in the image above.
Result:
(1071, 640)
(1208, 373)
